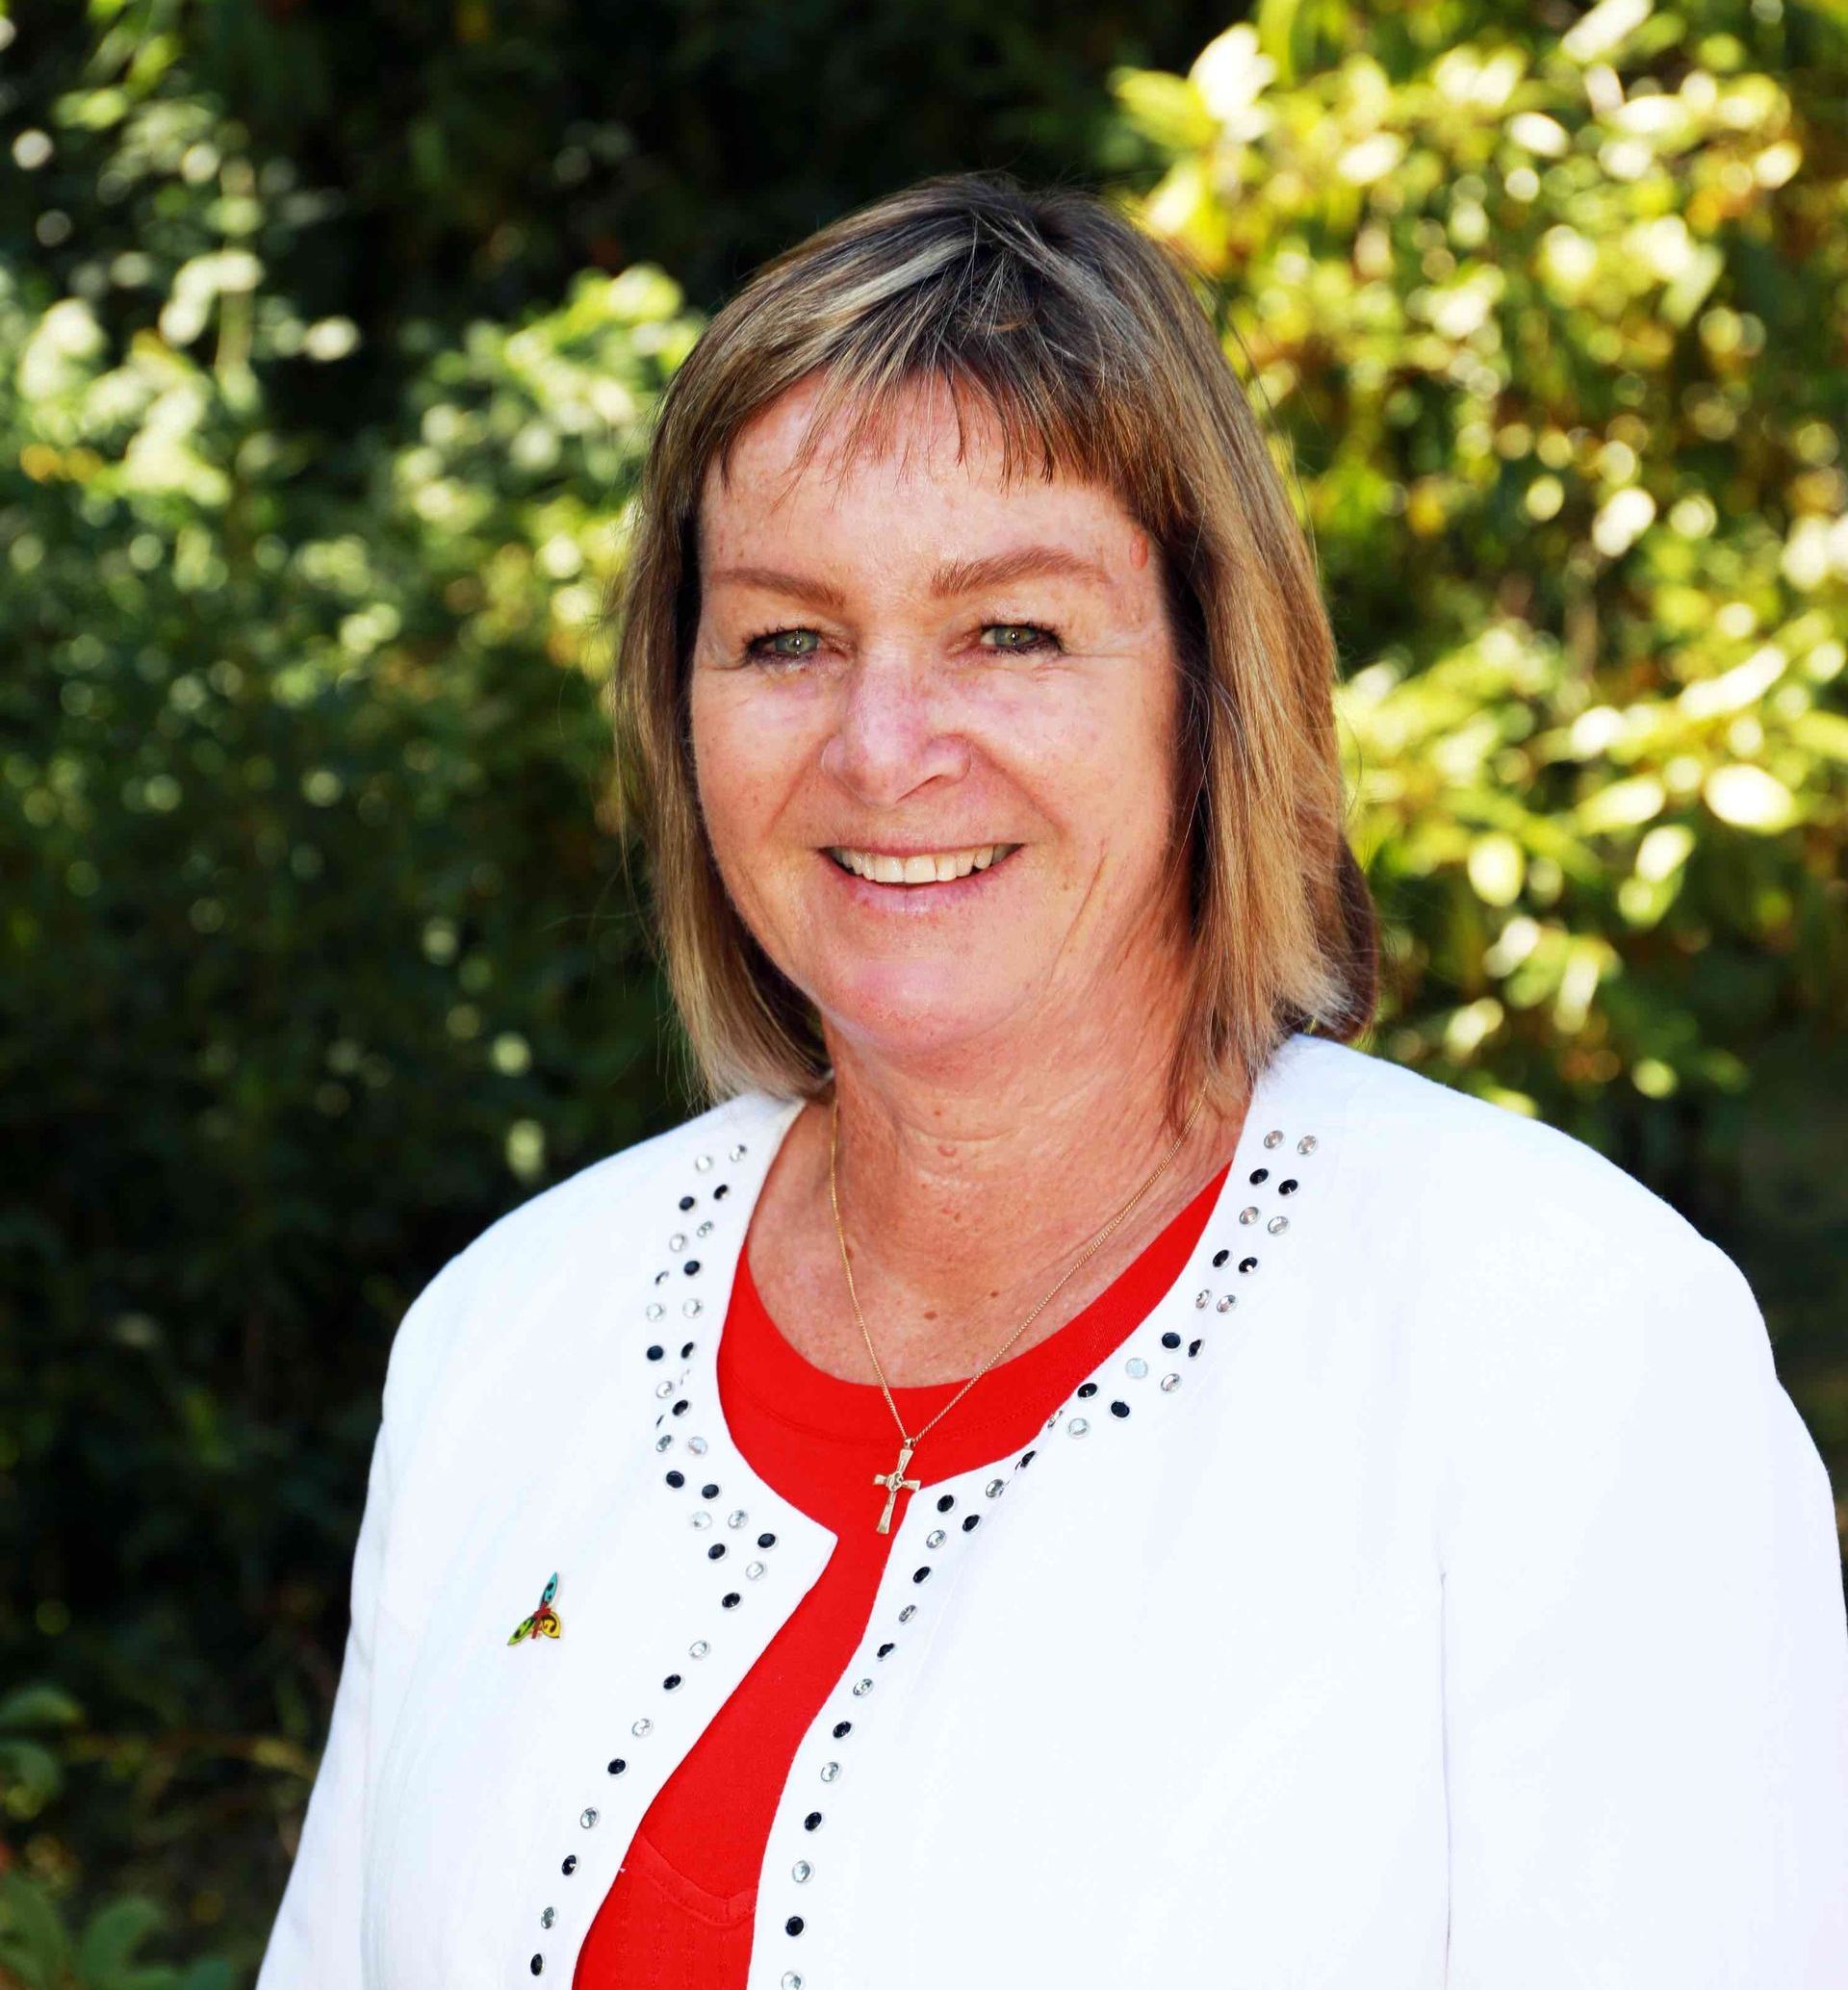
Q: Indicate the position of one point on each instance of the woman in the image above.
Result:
(1070, 1472)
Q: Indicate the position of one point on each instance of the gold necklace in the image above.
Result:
(894, 1481)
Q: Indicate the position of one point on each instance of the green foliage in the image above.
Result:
(1548, 327)
(37, 1952)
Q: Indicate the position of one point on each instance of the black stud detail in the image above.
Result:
(843, 1727)
(766, 1541)
(686, 1350)
(721, 1191)
(1220, 1257)
(672, 1680)
(1260, 1175)
(617, 1766)
(944, 1504)
(692, 1265)
(1248, 1264)
(1120, 1409)
(884, 1650)
(676, 1479)
(538, 1965)
(687, 1201)
(1289, 1188)
(971, 1523)
(571, 1863)
(812, 1820)
(716, 1551)
(1086, 1389)
(730, 1600)
(656, 1352)
(1170, 1338)
(708, 1491)
(922, 1574)
(1194, 1346)
(793, 1926)
(682, 1406)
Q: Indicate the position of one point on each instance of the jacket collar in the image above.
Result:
(717, 1172)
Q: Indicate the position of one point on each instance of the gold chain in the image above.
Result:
(895, 1481)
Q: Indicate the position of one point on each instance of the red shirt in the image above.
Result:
(680, 1912)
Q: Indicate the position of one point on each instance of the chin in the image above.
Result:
(911, 1012)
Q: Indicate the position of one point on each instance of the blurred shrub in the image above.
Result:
(1549, 327)
(314, 954)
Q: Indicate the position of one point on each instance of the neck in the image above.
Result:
(963, 1202)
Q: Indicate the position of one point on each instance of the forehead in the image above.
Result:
(787, 470)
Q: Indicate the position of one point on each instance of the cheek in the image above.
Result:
(748, 757)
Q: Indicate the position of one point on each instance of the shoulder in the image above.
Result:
(566, 1241)
(1521, 1254)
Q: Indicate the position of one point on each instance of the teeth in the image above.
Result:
(935, 867)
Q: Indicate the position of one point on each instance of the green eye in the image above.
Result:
(761, 647)
(1041, 638)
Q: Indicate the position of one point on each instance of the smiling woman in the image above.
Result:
(1064, 1470)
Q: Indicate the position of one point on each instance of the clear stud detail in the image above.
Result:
(697, 1445)
(935, 1537)
(1136, 1368)
(642, 1727)
(791, 1980)
(705, 1228)
(801, 1870)
(1277, 1223)
(1249, 1216)
(829, 1771)
(703, 1163)
(587, 1818)
(737, 1519)
(691, 1308)
(665, 1388)
(995, 1487)
(1170, 1383)
(697, 1648)
(1078, 1426)
(677, 1241)
(737, 1153)
(1200, 1298)
(754, 1570)
(661, 1443)
(862, 1688)
(1226, 1304)
(546, 1917)
(656, 1309)
(908, 1612)
(701, 1518)
(1272, 1138)
(1307, 1144)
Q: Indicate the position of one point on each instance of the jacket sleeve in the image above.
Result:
(1645, 1656)
(315, 1942)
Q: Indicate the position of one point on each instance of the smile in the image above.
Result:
(922, 867)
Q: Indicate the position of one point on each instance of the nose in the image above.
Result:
(894, 731)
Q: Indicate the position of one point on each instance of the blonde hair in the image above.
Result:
(1086, 338)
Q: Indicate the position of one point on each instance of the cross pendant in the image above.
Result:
(895, 1482)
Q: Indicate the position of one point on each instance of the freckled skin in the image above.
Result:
(999, 1063)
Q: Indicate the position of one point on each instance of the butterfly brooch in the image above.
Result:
(544, 1621)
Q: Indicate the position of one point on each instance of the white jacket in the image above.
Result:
(1437, 1589)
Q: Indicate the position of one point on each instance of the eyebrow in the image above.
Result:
(950, 577)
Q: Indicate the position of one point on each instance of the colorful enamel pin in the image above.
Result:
(544, 1621)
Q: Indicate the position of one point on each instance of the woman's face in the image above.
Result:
(905, 671)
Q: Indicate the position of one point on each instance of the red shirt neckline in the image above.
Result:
(758, 1364)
